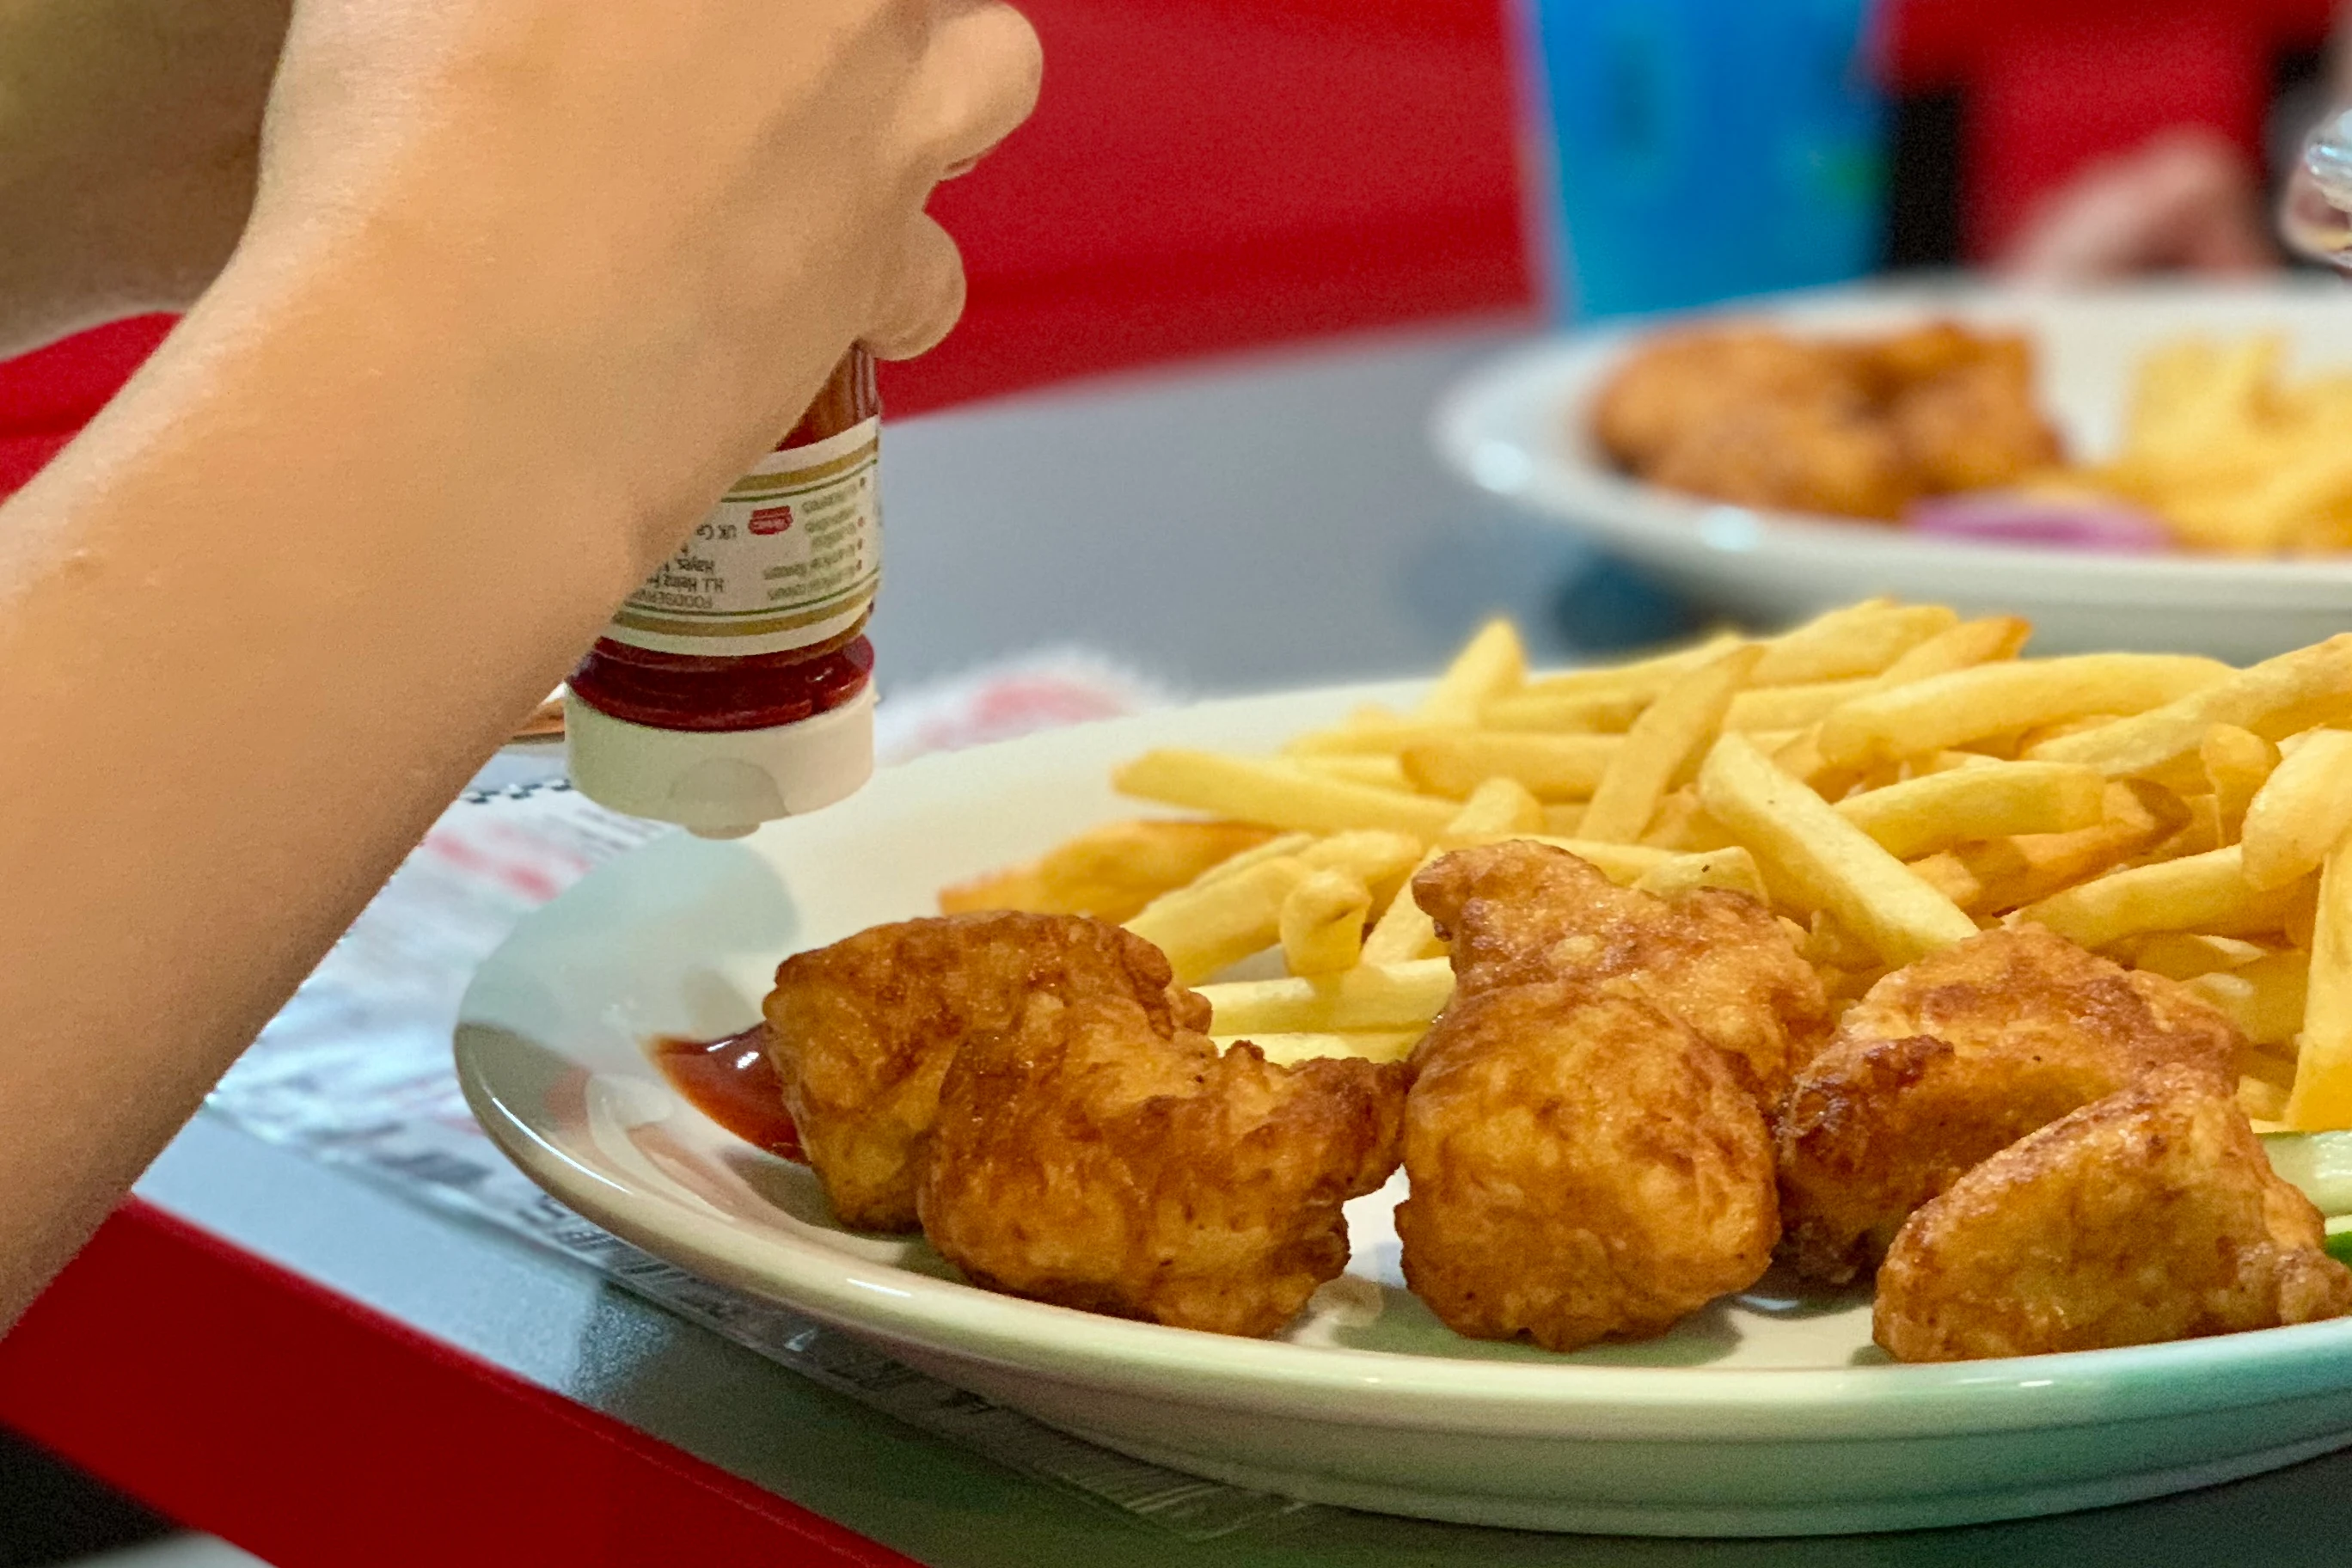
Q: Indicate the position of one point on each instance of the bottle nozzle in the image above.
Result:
(720, 783)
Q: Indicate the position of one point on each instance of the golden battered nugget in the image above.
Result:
(1685, 380)
(1950, 1060)
(1794, 457)
(1974, 426)
(1583, 1167)
(1855, 427)
(1714, 959)
(864, 1031)
(2152, 1214)
(1089, 1157)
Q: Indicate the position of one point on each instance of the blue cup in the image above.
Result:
(1706, 148)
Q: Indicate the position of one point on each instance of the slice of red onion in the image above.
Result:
(2000, 518)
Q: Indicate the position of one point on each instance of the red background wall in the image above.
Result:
(1199, 175)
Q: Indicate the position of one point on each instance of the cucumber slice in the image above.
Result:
(2318, 1163)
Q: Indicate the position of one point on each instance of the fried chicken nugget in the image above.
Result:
(1804, 457)
(1087, 1157)
(1583, 1167)
(2152, 1214)
(863, 1032)
(1898, 361)
(1712, 958)
(1949, 1061)
(1689, 379)
(1975, 426)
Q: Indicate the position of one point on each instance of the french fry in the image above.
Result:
(1276, 793)
(1856, 640)
(1381, 771)
(2200, 832)
(1379, 860)
(1556, 767)
(1288, 1049)
(2000, 874)
(1734, 869)
(1962, 647)
(1802, 760)
(1681, 824)
(1920, 767)
(1642, 678)
(2301, 810)
(1950, 876)
(1367, 737)
(2272, 1069)
(2272, 699)
(2264, 999)
(1498, 805)
(1370, 855)
(2300, 924)
(1490, 663)
(1368, 998)
(1155, 853)
(1321, 924)
(1664, 744)
(2030, 739)
(2237, 764)
(1403, 933)
(2206, 892)
(1014, 888)
(2000, 799)
(1802, 841)
(1109, 872)
(1593, 713)
(2323, 1064)
(1844, 987)
(1829, 944)
(1791, 707)
(2263, 1101)
(2181, 955)
(1562, 818)
(1273, 848)
(1207, 926)
(1404, 930)
(1995, 699)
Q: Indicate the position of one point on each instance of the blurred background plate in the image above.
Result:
(1519, 428)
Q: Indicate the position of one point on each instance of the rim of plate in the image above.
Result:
(1381, 1388)
(1490, 426)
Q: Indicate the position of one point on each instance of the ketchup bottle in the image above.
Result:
(735, 685)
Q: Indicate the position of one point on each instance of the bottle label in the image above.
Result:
(789, 557)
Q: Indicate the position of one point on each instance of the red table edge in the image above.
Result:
(228, 1403)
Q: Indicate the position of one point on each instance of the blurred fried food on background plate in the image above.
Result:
(1853, 427)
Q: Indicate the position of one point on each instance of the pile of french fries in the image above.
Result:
(1890, 778)
(2232, 454)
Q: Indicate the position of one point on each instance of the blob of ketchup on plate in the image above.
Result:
(731, 1082)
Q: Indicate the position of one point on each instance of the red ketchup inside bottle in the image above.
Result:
(731, 1082)
(700, 704)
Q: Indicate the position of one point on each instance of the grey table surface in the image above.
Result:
(1245, 525)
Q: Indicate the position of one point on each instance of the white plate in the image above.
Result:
(1758, 1417)
(1518, 427)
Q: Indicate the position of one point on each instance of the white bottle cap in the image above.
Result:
(722, 783)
